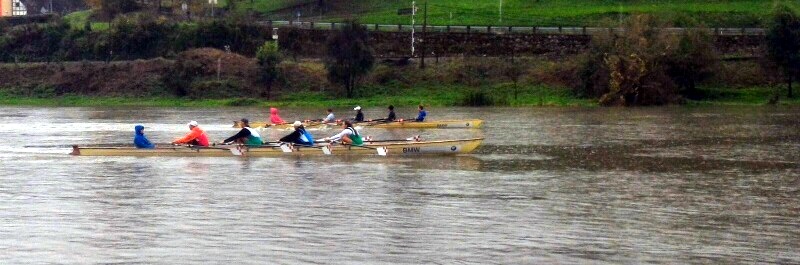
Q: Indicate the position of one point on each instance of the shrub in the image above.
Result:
(630, 66)
(268, 58)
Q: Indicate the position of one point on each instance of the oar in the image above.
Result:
(382, 151)
(414, 138)
(289, 147)
(236, 150)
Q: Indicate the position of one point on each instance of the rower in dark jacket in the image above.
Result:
(299, 135)
(247, 136)
(359, 114)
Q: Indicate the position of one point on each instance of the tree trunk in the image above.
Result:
(790, 87)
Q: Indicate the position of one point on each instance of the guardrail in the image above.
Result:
(505, 29)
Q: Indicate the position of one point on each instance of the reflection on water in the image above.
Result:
(550, 185)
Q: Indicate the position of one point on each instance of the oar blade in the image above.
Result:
(326, 150)
(382, 151)
(235, 151)
(286, 148)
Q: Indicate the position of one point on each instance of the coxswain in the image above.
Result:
(196, 136)
(299, 135)
(139, 140)
(348, 136)
(247, 136)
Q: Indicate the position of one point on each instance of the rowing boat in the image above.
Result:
(443, 124)
(445, 147)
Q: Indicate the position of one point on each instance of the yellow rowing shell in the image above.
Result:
(444, 124)
(446, 147)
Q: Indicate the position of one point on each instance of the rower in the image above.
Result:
(330, 118)
(196, 136)
(359, 114)
(392, 116)
(299, 135)
(274, 118)
(422, 114)
(139, 140)
(348, 136)
(247, 136)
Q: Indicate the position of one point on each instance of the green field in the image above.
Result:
(721, 13)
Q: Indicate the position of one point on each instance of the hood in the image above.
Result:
(273, 111)
(139, 129)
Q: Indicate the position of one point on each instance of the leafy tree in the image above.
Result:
(513, 71)
(140, 36)
(268, 59)
(291, 42)
(693, 61)
(783, 42)
(348, 56)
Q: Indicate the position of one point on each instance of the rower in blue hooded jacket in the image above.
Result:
(139, 140)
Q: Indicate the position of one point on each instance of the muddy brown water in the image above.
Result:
(550, 185)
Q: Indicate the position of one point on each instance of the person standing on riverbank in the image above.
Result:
(139, 140)
(196, 136)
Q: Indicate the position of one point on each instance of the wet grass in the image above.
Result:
(78, 19)
(745, 96)
(731, 13)
(371, 96)
(452, 95)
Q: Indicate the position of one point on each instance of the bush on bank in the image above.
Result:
(132, 36)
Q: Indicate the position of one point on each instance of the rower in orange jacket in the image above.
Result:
(195, 137)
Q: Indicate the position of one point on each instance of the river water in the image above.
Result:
(549, 185)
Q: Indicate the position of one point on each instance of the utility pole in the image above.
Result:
(501, 10)
(424, 36)
(413, 13)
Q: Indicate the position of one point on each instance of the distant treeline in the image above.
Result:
(137, 36)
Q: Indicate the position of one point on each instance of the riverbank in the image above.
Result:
(536, 96)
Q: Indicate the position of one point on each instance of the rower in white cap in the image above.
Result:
(359, 114)
(299, 135)
(196, 136)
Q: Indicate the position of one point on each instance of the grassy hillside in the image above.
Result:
(729, 13)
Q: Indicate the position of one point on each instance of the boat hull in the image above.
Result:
(444, 124)
(448, 147)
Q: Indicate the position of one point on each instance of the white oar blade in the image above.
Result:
(235, 151)
(382, 151)
(286, 148)
(327, 150)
